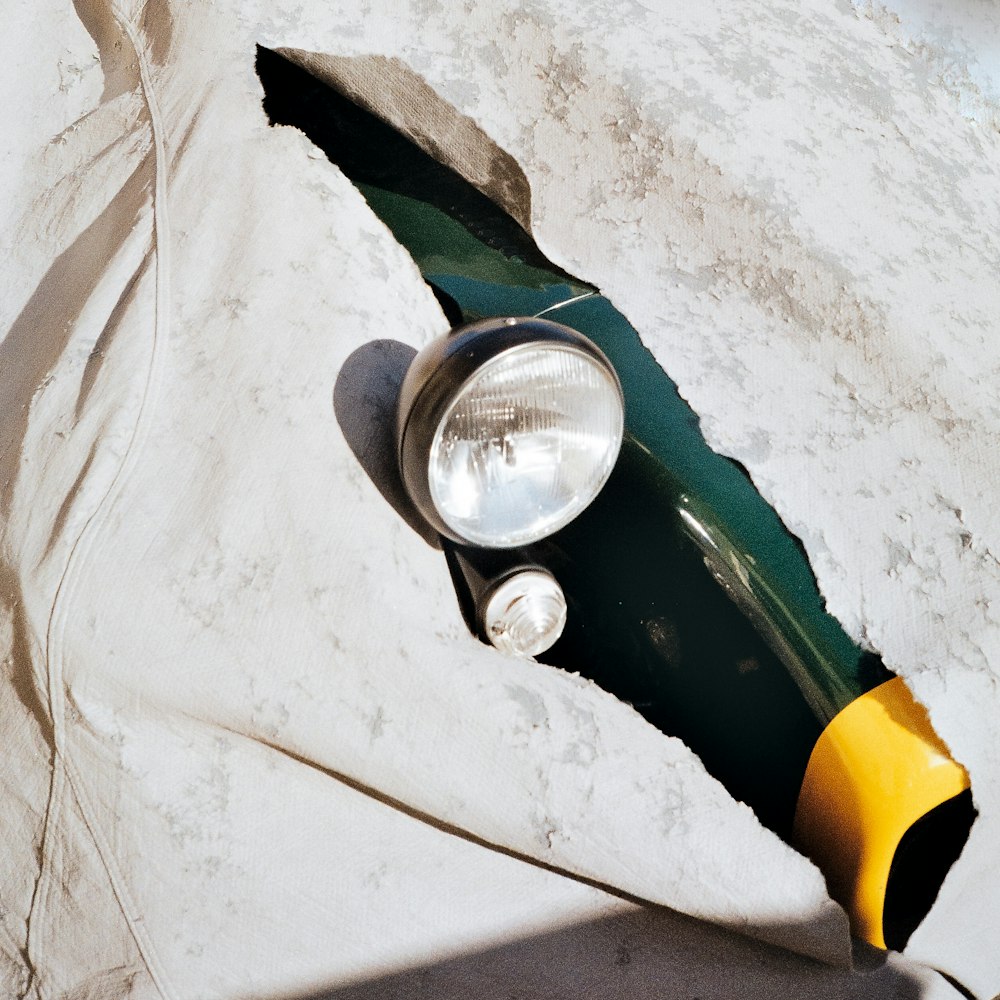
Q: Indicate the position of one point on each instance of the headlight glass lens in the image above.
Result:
(526, 444)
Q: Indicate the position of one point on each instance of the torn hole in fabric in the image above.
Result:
(688, 598)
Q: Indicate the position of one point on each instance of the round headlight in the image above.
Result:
(508, 429)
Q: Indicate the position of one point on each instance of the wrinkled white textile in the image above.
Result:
(251, 750)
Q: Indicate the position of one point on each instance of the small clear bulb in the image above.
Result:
(526, 614)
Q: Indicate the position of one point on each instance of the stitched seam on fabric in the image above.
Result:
(84, 542)
(39, 901)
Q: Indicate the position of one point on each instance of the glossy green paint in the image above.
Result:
(687, 596)
(738, 530)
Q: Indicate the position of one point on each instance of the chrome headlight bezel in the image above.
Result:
(439, 375)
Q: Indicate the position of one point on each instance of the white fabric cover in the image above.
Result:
(250, 748)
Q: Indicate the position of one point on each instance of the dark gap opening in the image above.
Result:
(923, 858)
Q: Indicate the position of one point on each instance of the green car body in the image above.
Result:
(686, 595)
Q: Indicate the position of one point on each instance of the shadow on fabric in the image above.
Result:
(645, 952)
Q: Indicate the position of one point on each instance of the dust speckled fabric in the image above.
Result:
(252, 750)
